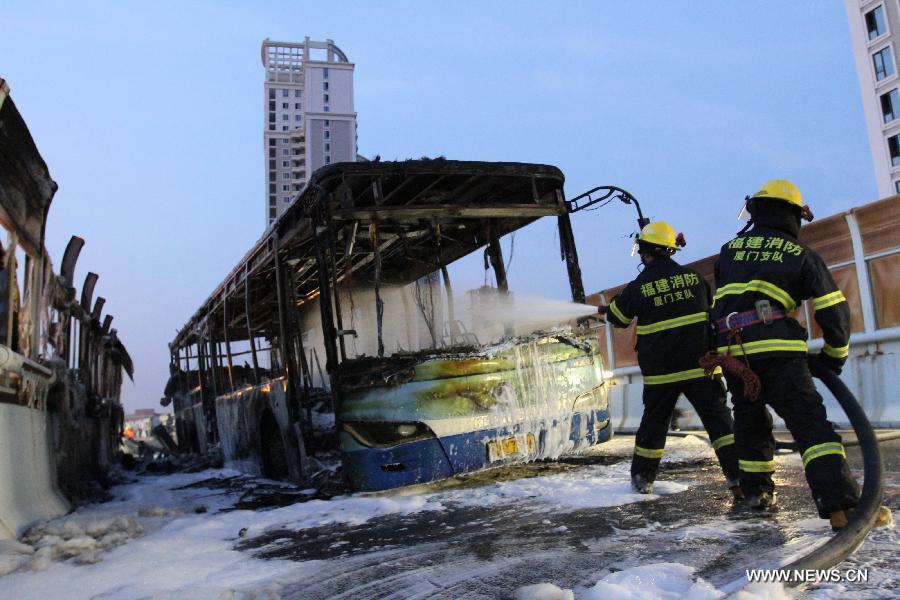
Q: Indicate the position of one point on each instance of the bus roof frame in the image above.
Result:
(472, 202)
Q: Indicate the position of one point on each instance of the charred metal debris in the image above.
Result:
(58, 351)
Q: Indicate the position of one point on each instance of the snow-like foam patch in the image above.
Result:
(715, 529)
(660, 581)
(543, 591)
(350, 510)
(152, 540)
(590, 487)
(159, 538)
(14, 555)
(657, 581)
(762, 591)
(678, 449)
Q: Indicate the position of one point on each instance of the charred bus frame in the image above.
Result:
(379, 223)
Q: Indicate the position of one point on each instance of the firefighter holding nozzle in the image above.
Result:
(671, 304)
(762, 275)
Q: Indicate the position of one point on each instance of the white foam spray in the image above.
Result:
(524, 310)
(484, 312)
(489, 313)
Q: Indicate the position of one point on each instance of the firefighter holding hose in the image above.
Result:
(671, 304)
(762, 275)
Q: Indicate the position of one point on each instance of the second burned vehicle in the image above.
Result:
(346, 302)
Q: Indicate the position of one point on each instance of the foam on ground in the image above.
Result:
(154, 539)
(594, 486)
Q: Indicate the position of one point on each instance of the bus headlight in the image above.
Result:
(382, 434)
(407, 429)
(594, 399)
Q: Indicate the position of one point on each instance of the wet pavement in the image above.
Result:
(490, 551)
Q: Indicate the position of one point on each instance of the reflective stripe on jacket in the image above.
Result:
(671, 305)
(770, 264)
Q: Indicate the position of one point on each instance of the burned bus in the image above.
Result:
(343, 318)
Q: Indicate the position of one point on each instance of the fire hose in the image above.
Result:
(848, 539)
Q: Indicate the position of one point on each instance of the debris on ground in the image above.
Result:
(540, 530)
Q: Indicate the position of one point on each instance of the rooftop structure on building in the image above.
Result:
(309, 116)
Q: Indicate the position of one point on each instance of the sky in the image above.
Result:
(150, 118)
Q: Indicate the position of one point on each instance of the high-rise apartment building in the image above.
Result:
(309, 116)
(874, 25)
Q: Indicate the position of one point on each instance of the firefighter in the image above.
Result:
(762, 275)
(671, 304)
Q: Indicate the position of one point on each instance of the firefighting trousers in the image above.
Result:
(708, 400)
(788, 388)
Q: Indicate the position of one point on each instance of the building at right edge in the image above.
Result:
(873, 25)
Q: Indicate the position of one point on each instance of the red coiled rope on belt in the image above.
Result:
(731, 364)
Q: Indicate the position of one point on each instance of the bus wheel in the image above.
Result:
(274, 457)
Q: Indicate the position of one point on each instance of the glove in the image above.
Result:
(603, 309)
(834, 365)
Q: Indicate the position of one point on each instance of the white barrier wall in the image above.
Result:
(872, 373)
(862, 251)
(27, 475)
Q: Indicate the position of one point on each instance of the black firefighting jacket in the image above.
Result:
(771, 264)
(671, 305)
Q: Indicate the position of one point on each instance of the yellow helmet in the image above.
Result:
(659, 233)
(780, 189)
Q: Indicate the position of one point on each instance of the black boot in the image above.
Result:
(762, 500)
(641, 484)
